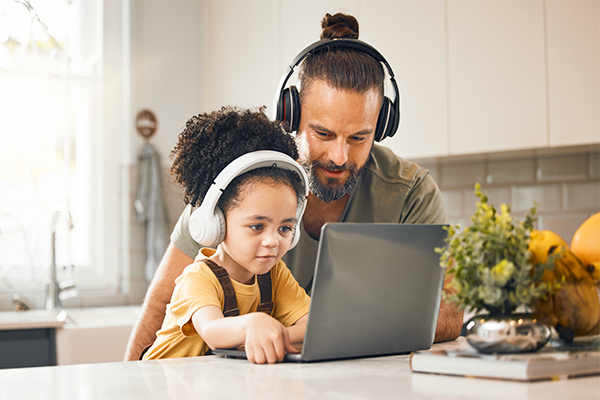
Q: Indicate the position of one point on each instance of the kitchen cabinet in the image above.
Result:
(475, 76)
(573, 31)
(27, 348)
(411, 36)
(497, 76)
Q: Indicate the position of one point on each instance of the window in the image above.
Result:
(53, 151)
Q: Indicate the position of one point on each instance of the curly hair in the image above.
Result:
(210, 141)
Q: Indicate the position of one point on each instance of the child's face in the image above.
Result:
(258, 229)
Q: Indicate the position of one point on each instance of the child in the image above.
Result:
(260, 210)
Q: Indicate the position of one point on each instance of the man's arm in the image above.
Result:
(158, 296)
(450, 320)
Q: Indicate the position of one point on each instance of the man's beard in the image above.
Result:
(330, 190)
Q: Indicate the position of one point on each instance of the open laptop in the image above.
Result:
(376, 291)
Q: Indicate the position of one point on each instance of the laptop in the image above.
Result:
(376, 291)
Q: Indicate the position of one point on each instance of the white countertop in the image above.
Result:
(212, 377)
(33, 319)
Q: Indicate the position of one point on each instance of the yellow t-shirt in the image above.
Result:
(198, 287)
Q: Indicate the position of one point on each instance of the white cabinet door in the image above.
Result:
(410, 35)
(573, 71)
(497, 76)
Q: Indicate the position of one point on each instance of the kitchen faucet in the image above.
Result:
(53, 293)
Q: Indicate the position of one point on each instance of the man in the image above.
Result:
(351, 178)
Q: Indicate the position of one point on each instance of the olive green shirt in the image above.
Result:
(389, 189)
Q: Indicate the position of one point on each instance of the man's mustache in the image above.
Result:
(331, 166)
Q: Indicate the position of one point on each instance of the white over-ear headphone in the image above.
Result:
(207, 223)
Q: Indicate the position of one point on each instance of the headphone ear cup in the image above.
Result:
(299, 213)
(208, 230)
(290, 105)
(384, 121)
(220, 229)
(295, 236)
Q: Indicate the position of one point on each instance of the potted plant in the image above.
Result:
(493, 276)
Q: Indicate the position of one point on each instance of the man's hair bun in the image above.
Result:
(339, 26)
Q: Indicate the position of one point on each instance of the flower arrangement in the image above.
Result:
(490, 261)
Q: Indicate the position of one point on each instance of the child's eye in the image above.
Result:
(257, 227)
(285, 229)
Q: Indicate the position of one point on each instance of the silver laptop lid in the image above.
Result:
(376, 290)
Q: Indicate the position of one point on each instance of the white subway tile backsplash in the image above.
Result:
(594, 165)
(115, 300)
(433, 169)
(564, 225)
(562, 167)
(582, 196)
(463, 222)
(565, 184)
(548, 197)
(73, 302)
(453, 202)
(495, 195)
(511, 171)
(462, 174)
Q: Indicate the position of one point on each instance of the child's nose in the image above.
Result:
(270, 240)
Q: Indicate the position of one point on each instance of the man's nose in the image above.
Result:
(338, 153)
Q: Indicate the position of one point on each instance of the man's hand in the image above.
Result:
(267, 340)
(450, 320)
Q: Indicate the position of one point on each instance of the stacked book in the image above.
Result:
(548, 363)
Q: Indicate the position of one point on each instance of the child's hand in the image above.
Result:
(267, 340)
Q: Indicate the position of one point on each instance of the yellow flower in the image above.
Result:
(502, 272)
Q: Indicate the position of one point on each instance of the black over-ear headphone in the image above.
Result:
(287, 100)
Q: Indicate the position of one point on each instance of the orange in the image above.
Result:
(586, 241)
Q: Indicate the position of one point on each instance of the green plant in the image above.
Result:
(489, 260)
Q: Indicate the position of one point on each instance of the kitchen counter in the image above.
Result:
(212, 377)
(33, 319)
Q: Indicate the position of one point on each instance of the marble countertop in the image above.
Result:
(212, 377)
(33, 319)
(70, 318)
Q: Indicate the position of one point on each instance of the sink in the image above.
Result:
(95, 335)
(101, 316)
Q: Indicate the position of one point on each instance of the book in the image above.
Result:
(544, 364)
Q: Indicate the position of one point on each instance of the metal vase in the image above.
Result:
(507, 333)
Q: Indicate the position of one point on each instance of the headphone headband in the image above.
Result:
(354, 44)
(205, 226)
(391, 110)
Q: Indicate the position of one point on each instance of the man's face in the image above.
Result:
(335, 137)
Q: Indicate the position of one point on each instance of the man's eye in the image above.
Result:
(257, 227)
(358, 138)
(322, 134)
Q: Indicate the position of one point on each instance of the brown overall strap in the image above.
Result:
(230, 307)
(266, 293)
